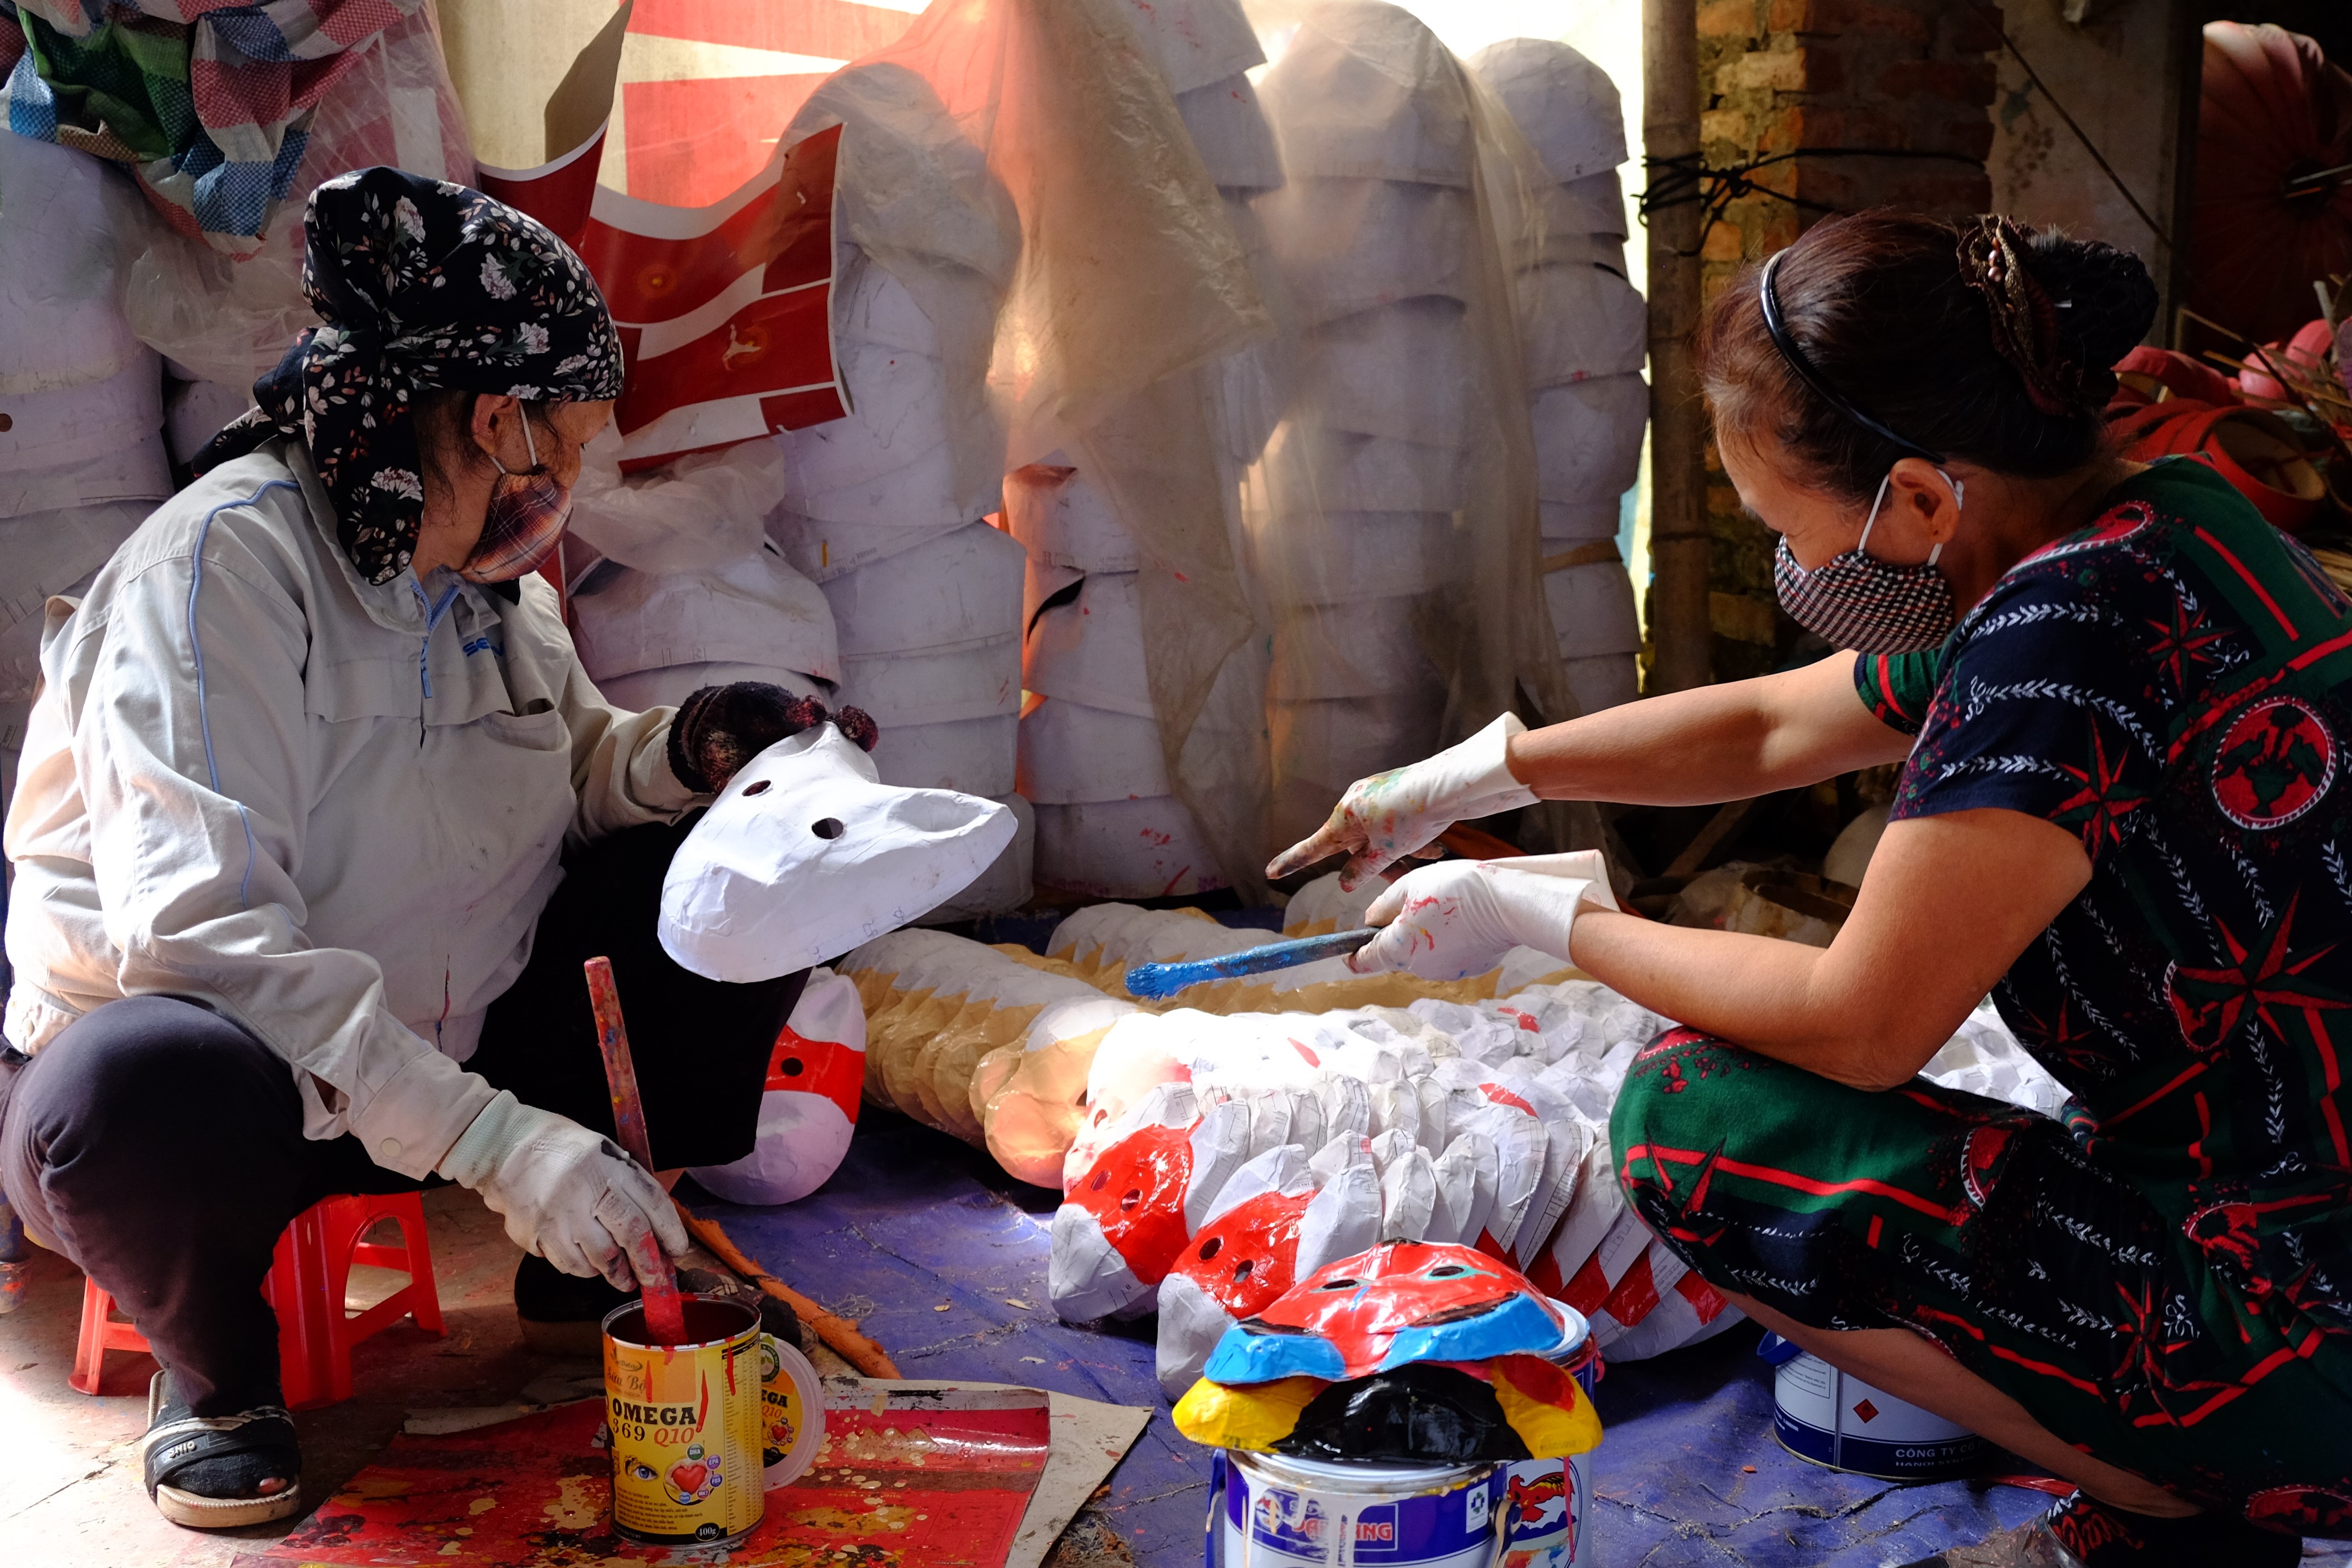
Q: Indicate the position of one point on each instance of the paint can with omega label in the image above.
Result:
(685, 1426)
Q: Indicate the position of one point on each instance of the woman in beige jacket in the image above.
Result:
(320, 816)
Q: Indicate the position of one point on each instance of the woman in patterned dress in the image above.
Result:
(2120, 701)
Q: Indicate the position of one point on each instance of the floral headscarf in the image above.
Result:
(422, 285)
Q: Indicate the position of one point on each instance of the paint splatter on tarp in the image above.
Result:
(907, 1476)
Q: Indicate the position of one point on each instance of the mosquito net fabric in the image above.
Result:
(1391, 522)
(1101, 330)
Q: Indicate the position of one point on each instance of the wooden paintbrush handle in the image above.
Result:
(833, 1329)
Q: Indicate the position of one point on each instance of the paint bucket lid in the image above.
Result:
(1360, 1477)
(1575, 1332)
(791, 1367)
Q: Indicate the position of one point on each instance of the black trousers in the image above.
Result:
(160, 1146)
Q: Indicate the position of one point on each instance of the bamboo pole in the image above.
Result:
(831, 1327)
(1680, 634)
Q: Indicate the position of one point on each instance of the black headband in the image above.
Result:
(1778, 332)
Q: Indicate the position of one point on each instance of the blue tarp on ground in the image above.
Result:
(942, 1258)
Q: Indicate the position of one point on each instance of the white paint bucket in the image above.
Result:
(1841, 1423)
(1271, 1511)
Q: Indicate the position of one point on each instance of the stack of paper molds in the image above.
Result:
(1585, 330)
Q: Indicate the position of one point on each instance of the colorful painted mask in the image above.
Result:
(1402, 1302)
(808, 1108)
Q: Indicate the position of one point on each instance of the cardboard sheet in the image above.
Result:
(962, 1475)
(724, 308)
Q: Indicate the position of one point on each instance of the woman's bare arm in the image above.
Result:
(1949, 904)
(1715, 743)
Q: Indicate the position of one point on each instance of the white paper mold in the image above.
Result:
(1344, 246)
(1580, 321)
(1344, 558)
(1603, 680)
(976, 756)
(1363, 650)
(873, 309)
(960, 590)
(61, 320)
(1578, 522)
(1366, 89)
(1231, 134)
(1589, 438)
(1062, 520)
(1332, 742)
(94, 440)
(1195, 42)
(898, 413)
(1565, 105)
(974, 682)
(1072, 754)
(758, 611)
(1356, 473)
(1592, 610)
(822, 551)
(1124, 848)
(1402, 371)
(1090, 649)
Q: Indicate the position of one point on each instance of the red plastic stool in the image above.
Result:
(308, 1275)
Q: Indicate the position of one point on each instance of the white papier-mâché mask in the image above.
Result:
(806, 853)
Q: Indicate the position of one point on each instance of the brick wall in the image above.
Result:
(1776, 76)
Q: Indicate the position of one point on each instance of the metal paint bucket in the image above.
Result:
(685, 1426)
(1271, 1511)
(1282, 1512)
(1576, 1355)
(1841, 1423)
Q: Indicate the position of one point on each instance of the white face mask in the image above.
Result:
(805, 855)
(1864, 604)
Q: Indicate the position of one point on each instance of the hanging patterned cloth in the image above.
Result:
(209, 104)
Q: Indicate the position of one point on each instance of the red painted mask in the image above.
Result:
(1401, 1301)
(1136, 1192)
(803, 1066)
(1248, 1256)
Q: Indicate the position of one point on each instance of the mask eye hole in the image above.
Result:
(1340, 1284)
(1211, 1247)
(1448, 1271)
(827, 827)
(758, 787)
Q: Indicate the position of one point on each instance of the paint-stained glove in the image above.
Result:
(1393, 814)
(569, 1195)
(1445, 922)
(719, 729)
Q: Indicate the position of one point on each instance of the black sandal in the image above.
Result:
(262, 1437)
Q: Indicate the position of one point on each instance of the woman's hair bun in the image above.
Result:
(2105, 298)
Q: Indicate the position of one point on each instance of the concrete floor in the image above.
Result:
(70, 1495)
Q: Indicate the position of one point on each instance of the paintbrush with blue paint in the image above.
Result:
(1153, 981)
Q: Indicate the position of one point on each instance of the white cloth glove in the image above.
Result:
(569, 1195)
(1390, 815)
(1459, 918)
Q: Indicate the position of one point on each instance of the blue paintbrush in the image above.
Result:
(1156, 981)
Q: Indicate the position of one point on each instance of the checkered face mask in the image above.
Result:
(1861, 603)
